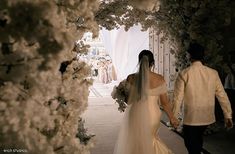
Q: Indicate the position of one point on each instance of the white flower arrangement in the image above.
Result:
(41, 103)
(120, 94)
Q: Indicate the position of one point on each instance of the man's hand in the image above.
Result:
(228, 123)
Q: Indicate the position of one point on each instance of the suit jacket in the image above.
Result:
(196, 88)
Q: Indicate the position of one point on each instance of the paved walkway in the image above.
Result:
(103, 119)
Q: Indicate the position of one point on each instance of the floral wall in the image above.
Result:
(43, 86)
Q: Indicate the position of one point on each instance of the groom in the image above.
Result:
(197, 87)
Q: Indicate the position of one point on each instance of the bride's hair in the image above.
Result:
(149, 54)
(146, 61)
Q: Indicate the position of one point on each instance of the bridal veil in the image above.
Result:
(135, 136)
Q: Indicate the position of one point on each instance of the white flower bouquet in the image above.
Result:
(120, 95)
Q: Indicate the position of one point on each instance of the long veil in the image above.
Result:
(136, 136)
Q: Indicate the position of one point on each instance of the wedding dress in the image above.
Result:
(139, 130)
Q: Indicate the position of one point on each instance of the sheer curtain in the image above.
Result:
(124, 47)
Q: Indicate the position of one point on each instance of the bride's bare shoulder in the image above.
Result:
(157, 79)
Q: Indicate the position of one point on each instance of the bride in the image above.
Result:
(147, 91)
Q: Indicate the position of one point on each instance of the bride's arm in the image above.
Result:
(167, 108)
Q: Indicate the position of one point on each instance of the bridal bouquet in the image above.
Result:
(120, 95)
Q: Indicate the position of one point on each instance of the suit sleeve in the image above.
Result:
(178, 94)
(222, 98)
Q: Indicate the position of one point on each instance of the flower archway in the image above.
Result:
(207, 22)
(44, 88)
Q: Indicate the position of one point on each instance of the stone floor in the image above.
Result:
(103, 119)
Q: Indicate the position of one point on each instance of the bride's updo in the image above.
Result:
(148, 54)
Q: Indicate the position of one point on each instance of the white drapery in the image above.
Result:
(124, 47)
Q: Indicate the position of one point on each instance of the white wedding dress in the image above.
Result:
(139, 130)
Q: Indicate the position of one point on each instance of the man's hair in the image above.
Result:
(196, 51)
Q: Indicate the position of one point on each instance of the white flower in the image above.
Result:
(2, 106)
(147, 5)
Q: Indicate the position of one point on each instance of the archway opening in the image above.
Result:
(113, 55)
(121, 48)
